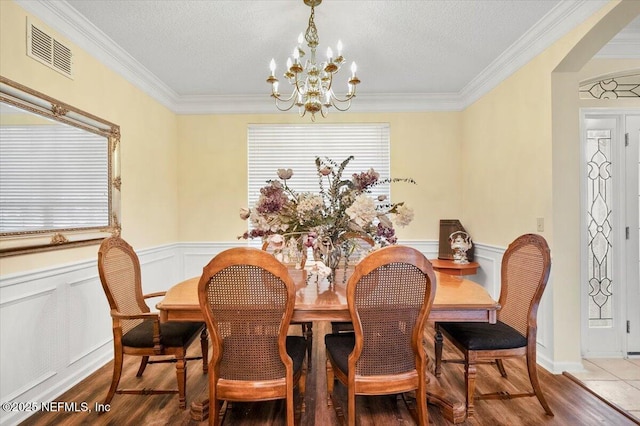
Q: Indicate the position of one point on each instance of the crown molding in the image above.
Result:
(365, 103)
(65, 19)
(555, 24)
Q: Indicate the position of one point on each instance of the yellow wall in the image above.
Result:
(498, 166)
(148, 146)
(213, 169)
(521, 151)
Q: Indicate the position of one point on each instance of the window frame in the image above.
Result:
(32, 101)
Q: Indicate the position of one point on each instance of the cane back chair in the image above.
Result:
(525, 271)
(136, 330)
(247, 298)
(306, 327)
(389, 296)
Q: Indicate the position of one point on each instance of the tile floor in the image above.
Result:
(616, 380)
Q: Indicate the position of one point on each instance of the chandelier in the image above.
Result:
(312, 85)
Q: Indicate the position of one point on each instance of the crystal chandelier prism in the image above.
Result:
(312, 85)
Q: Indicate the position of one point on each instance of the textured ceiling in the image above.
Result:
(217, 48)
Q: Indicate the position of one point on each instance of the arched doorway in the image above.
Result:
(566, 168)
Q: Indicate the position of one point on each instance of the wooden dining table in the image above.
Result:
(317, 299)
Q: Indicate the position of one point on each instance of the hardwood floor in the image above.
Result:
(572, 404)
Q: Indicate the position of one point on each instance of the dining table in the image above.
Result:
(321, 299)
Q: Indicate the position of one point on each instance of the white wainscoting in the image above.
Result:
(55, 328)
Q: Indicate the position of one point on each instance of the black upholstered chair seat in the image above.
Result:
(173, 334)
(339, 346)
(482, 336)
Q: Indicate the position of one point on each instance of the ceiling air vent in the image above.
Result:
(45, 49)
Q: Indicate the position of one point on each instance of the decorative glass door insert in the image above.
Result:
(599, 227)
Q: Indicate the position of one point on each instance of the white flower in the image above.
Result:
(276, 241)
(404, 216)
(285, 174)
(308, 206)
(363, 210)
(320, 269)
(270, 223)
(245, 213)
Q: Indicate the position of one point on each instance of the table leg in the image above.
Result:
(454, 411)
(307, 332)
(200, 410)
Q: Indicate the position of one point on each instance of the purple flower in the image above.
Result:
(309, 239)
(387, 233)
(364, 180)
(272, 198)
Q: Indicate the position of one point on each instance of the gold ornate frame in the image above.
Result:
(32, 101)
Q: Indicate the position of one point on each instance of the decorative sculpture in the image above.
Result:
(460, 243)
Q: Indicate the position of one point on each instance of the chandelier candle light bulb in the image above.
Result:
(312, 84)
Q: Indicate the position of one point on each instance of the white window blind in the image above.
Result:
(273, 147)
(52, 177)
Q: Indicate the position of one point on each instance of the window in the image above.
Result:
(59, 185)
(296, 147)
(52, 177)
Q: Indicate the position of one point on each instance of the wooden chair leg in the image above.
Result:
(438, 349)
(421, 403)
(351, 406)
(143, 365)
(117, 372)
(290, 406)
(204, 344)
(470, 380)
(330, 382)
(214, 403)
(302, 388)
(533, 377)
(181, 374)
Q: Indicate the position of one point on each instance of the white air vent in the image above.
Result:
(45, 49)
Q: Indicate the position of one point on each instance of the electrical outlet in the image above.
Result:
(540, 223)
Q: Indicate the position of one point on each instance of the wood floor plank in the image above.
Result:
(572, 404)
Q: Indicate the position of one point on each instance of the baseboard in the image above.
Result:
(98, 360)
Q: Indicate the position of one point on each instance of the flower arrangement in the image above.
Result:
(329, 221)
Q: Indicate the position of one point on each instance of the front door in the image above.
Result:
(611, 268)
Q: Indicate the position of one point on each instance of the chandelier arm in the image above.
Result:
(335, 105)
(281, 99)
(296, 86)
(345, 99)
(286, 108)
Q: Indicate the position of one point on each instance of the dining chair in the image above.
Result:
(360, 245)
(525, 271)
(306, 327)
(389, 296)
(247, 298)
(136, 330)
